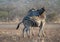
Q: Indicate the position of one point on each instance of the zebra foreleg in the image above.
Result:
(40, 29)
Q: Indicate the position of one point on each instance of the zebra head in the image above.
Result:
(41, 11)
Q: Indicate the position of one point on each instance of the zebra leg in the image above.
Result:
(40, 29)
(42, 33)
(26, 30)
(31, 34)
(32, 31)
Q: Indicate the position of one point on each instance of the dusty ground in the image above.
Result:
(8, 33)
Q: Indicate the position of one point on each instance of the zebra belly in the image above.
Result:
(34, 24)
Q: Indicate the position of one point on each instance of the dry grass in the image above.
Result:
(12, 35)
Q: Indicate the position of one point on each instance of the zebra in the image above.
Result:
(34, 18)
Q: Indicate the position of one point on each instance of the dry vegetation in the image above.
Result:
(11, 11)
(13, 35)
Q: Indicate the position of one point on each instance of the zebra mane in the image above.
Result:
(33, 12)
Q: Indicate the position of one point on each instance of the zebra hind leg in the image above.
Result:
(26, 32)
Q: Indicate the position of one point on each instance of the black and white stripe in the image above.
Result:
(28, 22)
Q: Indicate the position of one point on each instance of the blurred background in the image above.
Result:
(14, 10)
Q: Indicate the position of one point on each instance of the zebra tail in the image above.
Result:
(18, 25)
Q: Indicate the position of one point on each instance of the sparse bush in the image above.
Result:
(51, 17)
